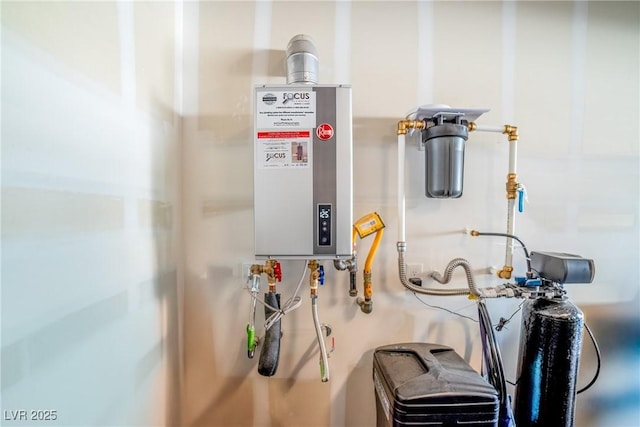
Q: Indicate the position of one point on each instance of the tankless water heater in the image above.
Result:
(303, 171)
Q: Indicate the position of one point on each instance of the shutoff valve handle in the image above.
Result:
(321, 275)
(521, 199)
(277, 272)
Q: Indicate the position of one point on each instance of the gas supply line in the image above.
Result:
(368, 224)
(366, 303)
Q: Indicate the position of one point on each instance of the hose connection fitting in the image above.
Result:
(405, 125)
(505, 273)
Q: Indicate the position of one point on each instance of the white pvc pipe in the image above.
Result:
(511, 210)
(488, 128)
(511, 204)
(513, 155)
(401, 207)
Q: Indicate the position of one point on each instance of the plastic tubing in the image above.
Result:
(511, 205)
(324, 359)
(511, 210)
(511, 237)
(401, 207)
(489, 128)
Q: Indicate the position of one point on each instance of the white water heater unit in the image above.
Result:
(303, 171)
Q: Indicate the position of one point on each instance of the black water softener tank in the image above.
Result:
(550, 342)
(420, 384)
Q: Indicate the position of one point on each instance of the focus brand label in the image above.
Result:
(285, 109)
(324, 131)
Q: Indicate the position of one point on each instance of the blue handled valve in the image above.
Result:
(522, 196)
(321, 275)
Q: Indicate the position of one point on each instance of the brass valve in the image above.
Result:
(314, 276)
(512, 186)
(271, 269)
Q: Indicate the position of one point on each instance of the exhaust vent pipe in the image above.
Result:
(302, 60)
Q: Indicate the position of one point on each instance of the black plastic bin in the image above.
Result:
(420, 384)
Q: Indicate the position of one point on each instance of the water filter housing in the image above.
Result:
(444, 138)
(444, 160)
(303, 171)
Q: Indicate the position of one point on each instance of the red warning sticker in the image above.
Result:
(284, 134)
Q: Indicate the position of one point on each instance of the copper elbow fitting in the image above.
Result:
(511, 132)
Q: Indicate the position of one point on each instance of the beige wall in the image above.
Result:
(127, 150)
(566, 73)
(90, 213)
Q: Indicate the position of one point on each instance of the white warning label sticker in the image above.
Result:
(283, 149)
(277, 109)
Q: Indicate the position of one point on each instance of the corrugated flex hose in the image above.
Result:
(402, 269)
(448, 272)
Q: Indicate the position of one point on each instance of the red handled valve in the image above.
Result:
(277, 272)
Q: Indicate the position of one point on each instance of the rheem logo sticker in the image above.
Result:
(324, 131)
